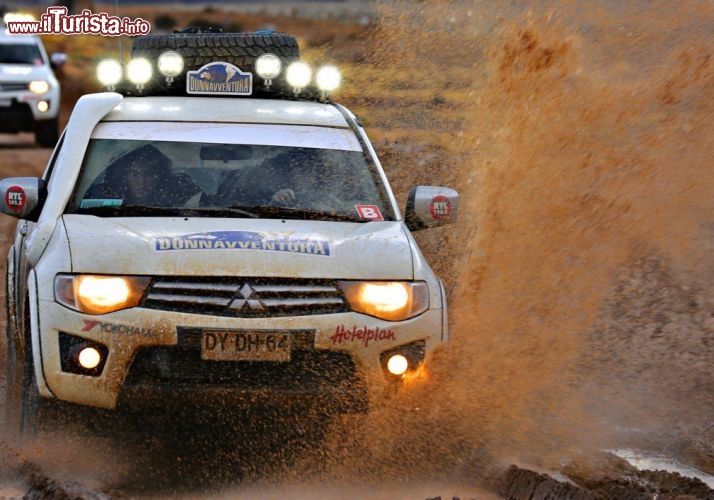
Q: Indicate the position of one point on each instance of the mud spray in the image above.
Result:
(580, 273)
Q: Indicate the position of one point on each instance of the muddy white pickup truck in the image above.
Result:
(214, 228)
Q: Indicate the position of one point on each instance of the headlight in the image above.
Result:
(170, 63)
(109, 72)
(138, 71)
(388, 300)
(39, 86)
(95, 294)
(268, 66)
(298, 75)
(328, 78)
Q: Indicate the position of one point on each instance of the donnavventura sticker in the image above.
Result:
(219, 78)
(243, 240)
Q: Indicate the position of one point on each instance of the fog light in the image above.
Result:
(298, 75)
(397, 365)
(268, 66)
(170, 64)
(43, 106)
(89, 358)
(109, 73)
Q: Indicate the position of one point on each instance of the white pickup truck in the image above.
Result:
(209, 231)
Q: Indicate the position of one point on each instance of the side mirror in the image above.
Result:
(431, 206)
(57, 60)
(22, 197)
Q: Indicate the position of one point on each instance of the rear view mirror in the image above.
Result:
(58, 59)
(431, 206)
(22, 197)
(226, 152)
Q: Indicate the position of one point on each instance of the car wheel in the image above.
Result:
(47, 133)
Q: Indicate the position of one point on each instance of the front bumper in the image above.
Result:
(19, 112)
(154, 357)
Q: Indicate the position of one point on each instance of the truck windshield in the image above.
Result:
(20, 53)
(122, 177)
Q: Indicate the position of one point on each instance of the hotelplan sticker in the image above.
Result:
(243, 240)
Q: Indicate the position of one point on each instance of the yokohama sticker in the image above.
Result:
(440, 207)
(15, 198)
(363, 334)
(90, 325)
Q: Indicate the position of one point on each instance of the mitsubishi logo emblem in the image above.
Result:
(245, 293)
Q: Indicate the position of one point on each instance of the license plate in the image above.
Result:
(5, 103)
(226, 345)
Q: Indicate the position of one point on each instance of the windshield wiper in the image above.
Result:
(141, 210)
(295, 213)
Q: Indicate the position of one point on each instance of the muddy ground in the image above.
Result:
(580, 273)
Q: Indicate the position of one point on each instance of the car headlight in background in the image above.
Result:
(39, 86)
(96, 294)
(388, 300)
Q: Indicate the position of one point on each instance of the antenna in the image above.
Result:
(119, 41)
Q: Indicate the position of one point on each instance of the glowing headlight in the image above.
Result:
(89, 358)
(93, 294)
(397, 364)
(298, 75)
(268, 66)
(138, 71)
(388, 300)
(39, 86)
(328, 78)
(170, 64)
(109, 72)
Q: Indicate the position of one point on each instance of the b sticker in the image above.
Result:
(15, 198)
(370, 212)
(440, 207)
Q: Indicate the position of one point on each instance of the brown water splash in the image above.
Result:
(583, 148)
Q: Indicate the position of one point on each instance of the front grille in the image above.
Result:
(245, 297)
(13, 86)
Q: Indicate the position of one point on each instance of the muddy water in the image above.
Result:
(581, 269)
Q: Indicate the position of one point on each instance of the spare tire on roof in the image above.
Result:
(200, 47)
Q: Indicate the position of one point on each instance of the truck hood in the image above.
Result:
(22, 72)
(246, 247)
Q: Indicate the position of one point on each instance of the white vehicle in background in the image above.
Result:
(29, 90)
(260, 258)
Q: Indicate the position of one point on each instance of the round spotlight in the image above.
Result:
(138, 71)
(89, 358)
(328, 78)
(109, 72)
(43, 106)
(298, 74)
(397, 364)
(170, 63)
(268, 66)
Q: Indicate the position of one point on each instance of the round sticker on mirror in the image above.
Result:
(440, 207)
(15, 198)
